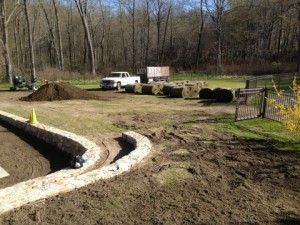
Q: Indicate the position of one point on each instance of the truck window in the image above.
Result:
(123, 75)
(114, 75)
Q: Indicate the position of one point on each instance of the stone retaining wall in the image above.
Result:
(63, 140)
(67, 179)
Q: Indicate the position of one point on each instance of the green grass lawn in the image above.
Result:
(213, 80)
(4, 86)
(259, 129)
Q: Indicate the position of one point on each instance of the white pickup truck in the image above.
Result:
(118, 80)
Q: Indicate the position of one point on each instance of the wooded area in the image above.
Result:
(215, 36)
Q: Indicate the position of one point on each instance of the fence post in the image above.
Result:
(237, 104)
(247, 84)
(264, 105)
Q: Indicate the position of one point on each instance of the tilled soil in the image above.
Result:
(25, 157)
(194, 175)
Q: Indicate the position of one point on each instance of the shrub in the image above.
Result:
(289, 112)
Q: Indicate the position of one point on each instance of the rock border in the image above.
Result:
(67, 179)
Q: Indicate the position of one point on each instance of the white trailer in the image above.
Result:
(153, 74)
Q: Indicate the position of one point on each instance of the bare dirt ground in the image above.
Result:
(194, 175)
(24, 157)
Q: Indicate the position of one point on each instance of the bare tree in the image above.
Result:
(103, 36)
(200, 31)
(31, 52)
(61, 55)
(127, 33)
(216, 11)
(148, 31)
(165, 32)
(71, 37)
(133, 37)
(130, 6)
(5, 19)
(122, 29)
(82, 6)
(16, 42)
(52, 35)
(298, 60)
(159, 7)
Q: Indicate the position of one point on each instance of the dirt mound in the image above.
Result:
(59, 91)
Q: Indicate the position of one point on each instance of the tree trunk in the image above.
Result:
(298, 61)
(219, 54)
(5, 46)
(158, 25)
(201, 25)
(217, 15)
(133, 37)
(16, 43)
(23, 45)
(31, 52)
(165, 34)
(83, 16)
(172, 52)
(102, 41)
(85, 52)
(51, 30)
(61, 55)
(122, 32)
(148, 32)
(278, 50)
(4, 41)
(70, 38)
(6, 54)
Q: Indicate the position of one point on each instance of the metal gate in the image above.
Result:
(287, 99)
(251, 103)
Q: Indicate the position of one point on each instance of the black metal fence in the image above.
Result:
(282, 81)
(286, 99)
(253, 103)
(250, 103)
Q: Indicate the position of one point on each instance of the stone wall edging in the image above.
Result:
(67, 179)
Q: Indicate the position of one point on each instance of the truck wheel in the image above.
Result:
(34, 87)
(118, 86)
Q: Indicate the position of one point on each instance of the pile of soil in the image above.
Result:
(59, 91)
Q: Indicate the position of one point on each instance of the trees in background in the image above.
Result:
(5, 20)
(83, 9)
(216, 11)
(30, 42)
(61, 55)
(298, 62)
(201, 35)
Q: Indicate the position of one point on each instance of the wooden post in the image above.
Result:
(264, 101)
